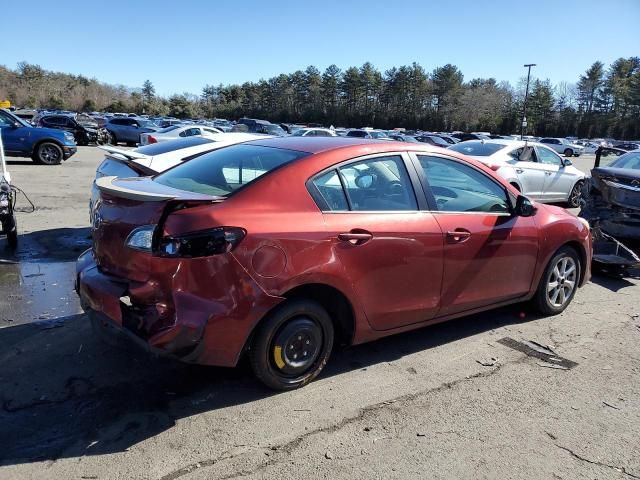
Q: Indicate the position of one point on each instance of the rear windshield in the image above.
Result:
(168, 129)
(171, 145)
(628, 160)
(223, 171)
(477, 149)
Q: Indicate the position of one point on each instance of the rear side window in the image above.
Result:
(373, 185)
(223, 171)
(331, 194)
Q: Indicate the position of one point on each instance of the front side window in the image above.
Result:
(457, 187)
(378, 184)
(548, 157)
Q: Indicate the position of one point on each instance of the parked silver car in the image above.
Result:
(532, 168)
(564, 146)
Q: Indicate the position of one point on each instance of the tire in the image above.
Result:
(576, 194)
(296, 327)
(48, 153)
(568, 152)
(550, 300)
(111, 138)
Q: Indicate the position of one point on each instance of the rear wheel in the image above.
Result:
(111, 138)
(48, 153)
(559, 282)
(568, 152)
(574, 196)
(292, 345)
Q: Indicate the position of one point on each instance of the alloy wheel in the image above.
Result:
(562, 281)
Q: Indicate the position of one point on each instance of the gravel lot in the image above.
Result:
(446, 402)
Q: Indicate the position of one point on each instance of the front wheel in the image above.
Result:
(574, 196)
(292, 345)
(568, 152)
(48, 153)
(559, 282)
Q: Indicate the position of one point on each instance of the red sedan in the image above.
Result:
(280, 248)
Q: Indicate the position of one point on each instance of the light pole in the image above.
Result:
(526, 94)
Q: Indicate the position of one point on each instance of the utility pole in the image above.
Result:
(523, 127)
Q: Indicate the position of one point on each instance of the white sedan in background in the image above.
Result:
(178, 131)
(534, 169)
(314, 132)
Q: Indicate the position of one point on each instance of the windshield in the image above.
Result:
(12, 117)
(628, 160)
(378, 135)
(477, 149)
(223, 171)
(146, 123)
(299, 132)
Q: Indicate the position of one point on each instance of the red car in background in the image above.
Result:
(280, 248)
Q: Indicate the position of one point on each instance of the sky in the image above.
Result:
(183, 45)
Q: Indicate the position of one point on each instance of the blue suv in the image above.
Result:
(128, 129)
(46, 146)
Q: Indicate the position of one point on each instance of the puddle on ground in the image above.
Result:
(37, 283)
(36, 291)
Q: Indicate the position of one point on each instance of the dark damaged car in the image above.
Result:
(612, 207)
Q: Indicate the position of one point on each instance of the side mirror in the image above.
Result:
(566, 162)
(15, 125)
(524, 207)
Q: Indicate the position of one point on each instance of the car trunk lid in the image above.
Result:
(123, 206)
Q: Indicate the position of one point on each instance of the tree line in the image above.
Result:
(604, 102)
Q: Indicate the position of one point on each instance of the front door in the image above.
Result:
(390, 250)
(489, 254)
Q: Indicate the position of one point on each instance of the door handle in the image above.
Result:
(458, 236)
(519, 170)
(355, 237)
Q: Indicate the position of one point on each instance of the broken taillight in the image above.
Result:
(202, 243)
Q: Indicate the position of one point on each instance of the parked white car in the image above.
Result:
(314, 132)
(156, 158)
(178, 131)
(153, 159)
(564, 146)
(534, 169)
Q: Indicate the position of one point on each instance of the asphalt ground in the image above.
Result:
(453, 401)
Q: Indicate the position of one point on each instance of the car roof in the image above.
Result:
(318, 144)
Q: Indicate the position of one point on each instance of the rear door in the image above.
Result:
(389, 245)
(489, 254)
(558, 182)
(531, 174)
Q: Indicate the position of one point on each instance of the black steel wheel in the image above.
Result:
(292, 345)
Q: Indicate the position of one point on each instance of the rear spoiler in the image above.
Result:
(145, 189)
(128, 154)
(105, 184)
(128, 157)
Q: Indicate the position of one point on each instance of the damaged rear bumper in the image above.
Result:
(175, 316)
